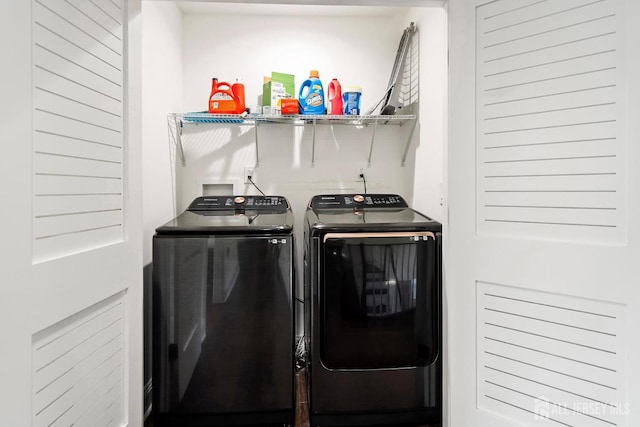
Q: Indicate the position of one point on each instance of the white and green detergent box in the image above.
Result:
(279, 86)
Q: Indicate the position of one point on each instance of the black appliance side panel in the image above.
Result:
(223, 325)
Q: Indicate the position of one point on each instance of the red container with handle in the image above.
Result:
(225, 98)
(335, 98)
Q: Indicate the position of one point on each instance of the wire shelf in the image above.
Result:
(177, 122)
(293, 119)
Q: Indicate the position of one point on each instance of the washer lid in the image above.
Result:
(365, 212)
(232, 215)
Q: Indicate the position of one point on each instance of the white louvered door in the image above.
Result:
(71, 306)
(78, 125)
(543, 248)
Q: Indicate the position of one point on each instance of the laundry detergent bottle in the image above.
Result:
(311, 95)
(224, 99)
(334, 104)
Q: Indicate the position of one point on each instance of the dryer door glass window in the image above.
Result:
(379, 300)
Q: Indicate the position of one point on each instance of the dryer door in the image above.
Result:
(379, 300)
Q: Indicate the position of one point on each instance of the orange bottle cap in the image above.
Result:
(314, 73)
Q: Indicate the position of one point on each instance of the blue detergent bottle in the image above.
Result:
(311, 95)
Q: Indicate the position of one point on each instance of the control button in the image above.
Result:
(358, 198)
(239, 200)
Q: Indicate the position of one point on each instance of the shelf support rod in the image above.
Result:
(313, 144)
(406, 147)
(177, 136)
(373, 138)
(255, 130)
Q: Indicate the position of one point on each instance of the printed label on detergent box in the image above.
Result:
(314, 100)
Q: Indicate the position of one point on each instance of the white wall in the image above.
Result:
(358, 50)
(428, 195)
(161, 93)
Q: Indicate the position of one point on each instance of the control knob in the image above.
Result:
(358, 198)
(239, 200)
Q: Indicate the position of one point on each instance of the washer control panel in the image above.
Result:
(223, 203)
(350, 201)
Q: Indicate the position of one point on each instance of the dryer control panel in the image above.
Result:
(350, 201)
(225, 203)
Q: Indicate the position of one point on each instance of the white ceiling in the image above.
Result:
(304, 7)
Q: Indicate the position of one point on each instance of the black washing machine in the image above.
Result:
(223, 321)
(373, 317)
